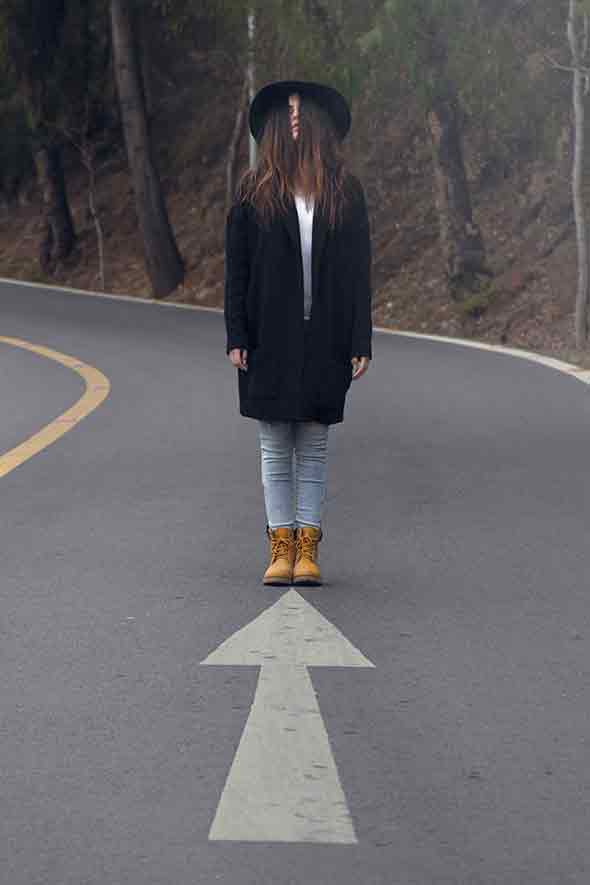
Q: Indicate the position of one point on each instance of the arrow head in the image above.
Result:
(290, 631)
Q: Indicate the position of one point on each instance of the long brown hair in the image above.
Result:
(313, 164)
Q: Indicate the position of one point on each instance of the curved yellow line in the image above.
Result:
(97, 390)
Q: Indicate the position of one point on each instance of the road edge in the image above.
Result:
(570, 369)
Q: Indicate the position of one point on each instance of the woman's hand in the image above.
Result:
(360, 364)
(239, 358)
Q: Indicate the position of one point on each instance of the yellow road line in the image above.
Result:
(97, 390)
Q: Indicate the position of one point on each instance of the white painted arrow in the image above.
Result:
(283, 785)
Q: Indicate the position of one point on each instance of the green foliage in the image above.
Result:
(417, 38)
(23, 268)
(379, 48)
(426, 44)
(178, 15)
(56, 67)
(15, 157)
(518, 116)
(30, 34)
(317, 41)
(475, 305)
(82, 74)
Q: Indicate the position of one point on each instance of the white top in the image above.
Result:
(305, 231)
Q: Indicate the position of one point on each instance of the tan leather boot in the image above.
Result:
(306, 571)
(282, 555)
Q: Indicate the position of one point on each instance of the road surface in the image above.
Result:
(440, 678)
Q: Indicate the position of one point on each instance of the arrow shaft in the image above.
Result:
(283, 785)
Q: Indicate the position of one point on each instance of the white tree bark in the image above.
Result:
(232, 152)
(251, 76)
(578, 55)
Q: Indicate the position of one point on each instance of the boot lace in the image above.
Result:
(279, 547)
(306, 547)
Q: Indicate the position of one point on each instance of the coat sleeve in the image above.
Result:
(361, 279)
(237, 275)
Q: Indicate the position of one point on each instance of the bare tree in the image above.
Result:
(579, 50)
(246, 96)
(88, 150)
(232, 153)
(578, 44)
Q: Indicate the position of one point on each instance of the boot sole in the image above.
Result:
(276, 582)
(307, 582)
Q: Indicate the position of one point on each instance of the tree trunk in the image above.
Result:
(59, 236)
(144, 54)
(34, 42)
(460, 236)
(578, 53)
(232, 153)
(164, 264)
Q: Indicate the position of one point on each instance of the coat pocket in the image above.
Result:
(333, 382)
(263, 379)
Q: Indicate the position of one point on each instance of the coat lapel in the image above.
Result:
(319, 228)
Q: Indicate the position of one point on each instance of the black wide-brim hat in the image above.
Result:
(277, 93)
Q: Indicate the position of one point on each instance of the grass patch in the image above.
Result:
(475, 305)
(25, 269)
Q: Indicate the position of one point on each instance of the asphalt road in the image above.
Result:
(456, 558)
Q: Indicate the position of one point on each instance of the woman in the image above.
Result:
(298, 319)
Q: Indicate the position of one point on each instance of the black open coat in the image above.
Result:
(289, 378)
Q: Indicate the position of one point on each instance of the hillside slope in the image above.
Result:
(526, 218)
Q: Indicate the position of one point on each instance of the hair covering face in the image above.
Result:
(278, 92)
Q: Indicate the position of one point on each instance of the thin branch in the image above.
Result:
(582, 69)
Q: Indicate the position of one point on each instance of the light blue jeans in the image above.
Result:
(293, 497)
